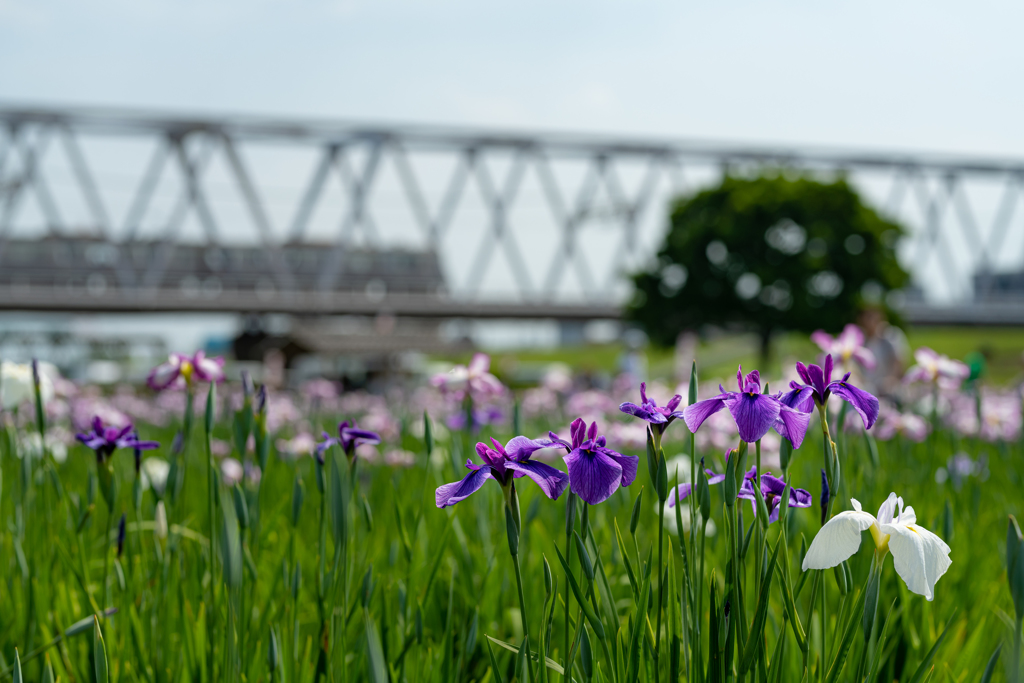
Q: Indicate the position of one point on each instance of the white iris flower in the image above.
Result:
(920, 557)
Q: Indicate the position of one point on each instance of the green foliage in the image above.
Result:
(768, 253)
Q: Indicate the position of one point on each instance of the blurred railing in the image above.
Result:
(515, 224)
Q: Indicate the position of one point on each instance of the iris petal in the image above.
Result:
(550, 480)
(838, 540)
(594, 475)
(919, 556)
(754, 414)
(450, 494)
(864, 403)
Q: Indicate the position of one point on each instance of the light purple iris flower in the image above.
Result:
(105, 440)
(846, 346)
(772, 489)
(818, 386)
(595, 471)
(659, 416)
(181, 368)
(755, 413)
(504, 464)
(349, 438)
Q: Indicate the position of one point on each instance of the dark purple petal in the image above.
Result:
(551, 481)
(363, 436)
(644, 412)
(673, 403)
(863, 402)
(520, 448)
(752, 382)
(827, 370)
(92, 441)
(594, 475)
(628, 463)
(799, 398)
(577, 430)
(559, 441)
(772, 484)
(489, 456)
(450, 494)
(817, 381)
(792, 425)
(801, 370)
(694, 415)
(754, 415)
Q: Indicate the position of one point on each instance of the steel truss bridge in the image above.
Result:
(159, 212)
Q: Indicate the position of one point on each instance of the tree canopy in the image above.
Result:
(768, 253)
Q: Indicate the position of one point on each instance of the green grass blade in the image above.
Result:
(839, 661)
(99, 653)
(925, 666)
(374, 650)
(760, 614)
(494, 663)
(992, 661)
(588, 610)
(548, 662)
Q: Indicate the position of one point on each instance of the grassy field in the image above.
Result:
(351, 573)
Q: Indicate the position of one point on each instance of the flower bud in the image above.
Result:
(947, 522)
(570, 513)
(840, 578)
(298, 494)
(549, 581)
(581, 550)
(241, 507)
(634, 519)
(273, 652)
(692, 397)
(121, 531)
(586, 655)
(428, 434)
(730, 479)
(824, 498)
(512, 531)
(703, 493)
(211, 399)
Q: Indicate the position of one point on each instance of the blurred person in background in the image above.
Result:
(889, 345)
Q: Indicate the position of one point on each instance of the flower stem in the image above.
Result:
(522, 610)
(570, 521)
(661, 587)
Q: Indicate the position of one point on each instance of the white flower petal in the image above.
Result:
(837, 540)
(920, 557)
(887, 510)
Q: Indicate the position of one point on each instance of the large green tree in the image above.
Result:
(774, 252)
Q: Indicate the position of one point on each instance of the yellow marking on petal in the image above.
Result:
(186, 371)
(881, 540)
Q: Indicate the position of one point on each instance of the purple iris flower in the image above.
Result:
(349, 438)
(105, 440)
(771, 489)
(755, 413)
(504, 464)
(818, 386)
(595, 471)
(659, 416)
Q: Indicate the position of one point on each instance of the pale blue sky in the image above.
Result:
(935, 76)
